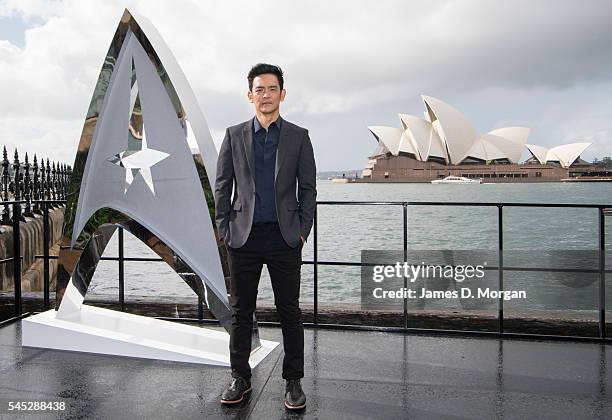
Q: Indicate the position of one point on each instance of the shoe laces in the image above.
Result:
(235, 383)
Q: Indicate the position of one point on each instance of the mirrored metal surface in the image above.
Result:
(145, 162)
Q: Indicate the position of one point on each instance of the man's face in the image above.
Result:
(266, 95)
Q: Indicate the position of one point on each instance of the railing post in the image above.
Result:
(121, 270)
(405, 243)
(68, 179)
(54, 184)
(6, 211)
(315, 287)
(48, 182)
(500, 280)
(27, 188)
(36, 187)
(17, 186)
(60, 181)
(65, 182)
(602, 274)
(17, 235)
(43, 181)
(46, 254)
(17, 257)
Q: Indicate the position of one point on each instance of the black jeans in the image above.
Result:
(266, 245)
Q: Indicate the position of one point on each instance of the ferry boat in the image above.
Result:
(457, 180)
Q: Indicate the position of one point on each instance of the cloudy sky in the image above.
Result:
(546, 65)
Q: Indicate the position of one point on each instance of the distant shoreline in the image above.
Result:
(484, 181)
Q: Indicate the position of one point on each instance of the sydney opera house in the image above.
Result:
(445, 143)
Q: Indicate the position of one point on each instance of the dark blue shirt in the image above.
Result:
(265, 143)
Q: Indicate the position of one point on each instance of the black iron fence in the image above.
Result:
(30, 189)
(30, 183)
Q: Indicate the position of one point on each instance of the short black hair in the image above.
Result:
(263, 68)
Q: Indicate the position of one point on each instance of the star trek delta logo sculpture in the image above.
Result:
(146, 163)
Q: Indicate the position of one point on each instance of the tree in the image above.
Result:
(604, 163)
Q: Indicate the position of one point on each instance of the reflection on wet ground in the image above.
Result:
(348, 375)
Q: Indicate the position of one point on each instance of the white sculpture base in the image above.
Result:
(104, 331)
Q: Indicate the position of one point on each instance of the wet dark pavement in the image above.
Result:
(348, 375)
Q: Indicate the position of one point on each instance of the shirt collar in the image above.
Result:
(257, 126)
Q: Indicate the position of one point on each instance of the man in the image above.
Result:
(263, 160)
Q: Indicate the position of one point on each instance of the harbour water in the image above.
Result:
(344, 231)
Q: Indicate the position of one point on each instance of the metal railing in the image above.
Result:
(316, 263)
(27, 190)
(17, 258)
(501, 268)
(30, 183)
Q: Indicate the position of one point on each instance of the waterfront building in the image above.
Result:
(445, 143)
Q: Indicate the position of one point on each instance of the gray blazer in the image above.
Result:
(295, 164)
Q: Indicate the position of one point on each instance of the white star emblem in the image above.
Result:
(138, 162)
(138, 158)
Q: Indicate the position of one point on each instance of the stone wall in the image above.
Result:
(31, 245)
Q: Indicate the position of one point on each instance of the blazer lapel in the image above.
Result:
(285, 133)
(247, 140)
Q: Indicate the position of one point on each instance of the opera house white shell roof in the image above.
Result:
(565, 154)
(445, 133)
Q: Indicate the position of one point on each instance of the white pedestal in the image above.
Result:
(104, 331)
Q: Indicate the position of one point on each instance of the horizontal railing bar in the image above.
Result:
(14, 202)
(465, 203)
(362, 203)
(13, 319)
(488, 267)
(7, 260)
(2, 202)
(46, 201)
(132, 259)
(357, 264)
(408, 203)
(55, 257)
